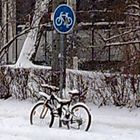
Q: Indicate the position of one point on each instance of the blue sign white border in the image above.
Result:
(73, 21)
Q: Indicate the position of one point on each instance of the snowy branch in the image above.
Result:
(7, 45)
(25, 31)
(132, 14)
(120, 35)
(136, 6)
(122, 43)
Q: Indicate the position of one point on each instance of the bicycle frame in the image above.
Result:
(75, 115)
(60, 109)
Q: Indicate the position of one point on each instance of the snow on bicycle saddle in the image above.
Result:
(74, 92)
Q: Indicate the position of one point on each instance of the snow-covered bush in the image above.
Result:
(105, 88)
(22, 83)
(99, 88)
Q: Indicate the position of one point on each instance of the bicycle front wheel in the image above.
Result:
(41, 115)
(81, 117)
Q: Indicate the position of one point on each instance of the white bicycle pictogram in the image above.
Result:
(63, 19)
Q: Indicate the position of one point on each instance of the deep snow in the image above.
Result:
(109, 123)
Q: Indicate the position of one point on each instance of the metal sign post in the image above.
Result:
(62, 65)
(63, 22)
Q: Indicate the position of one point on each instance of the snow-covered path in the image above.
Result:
(109, 123)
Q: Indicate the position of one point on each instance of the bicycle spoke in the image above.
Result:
(40, 115)
(80, 118)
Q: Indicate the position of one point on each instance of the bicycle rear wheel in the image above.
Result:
(41, 115)
(81, 117)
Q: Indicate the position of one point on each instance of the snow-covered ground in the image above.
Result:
(109, 123)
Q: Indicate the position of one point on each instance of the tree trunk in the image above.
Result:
(29, 46)
(9, 26)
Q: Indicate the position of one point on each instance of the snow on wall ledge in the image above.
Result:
(99, 88)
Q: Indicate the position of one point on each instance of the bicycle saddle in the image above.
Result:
(74, 92)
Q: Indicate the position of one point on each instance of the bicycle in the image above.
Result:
(75, 116)
(64, 19)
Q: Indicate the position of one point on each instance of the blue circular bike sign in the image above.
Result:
(63, 19)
